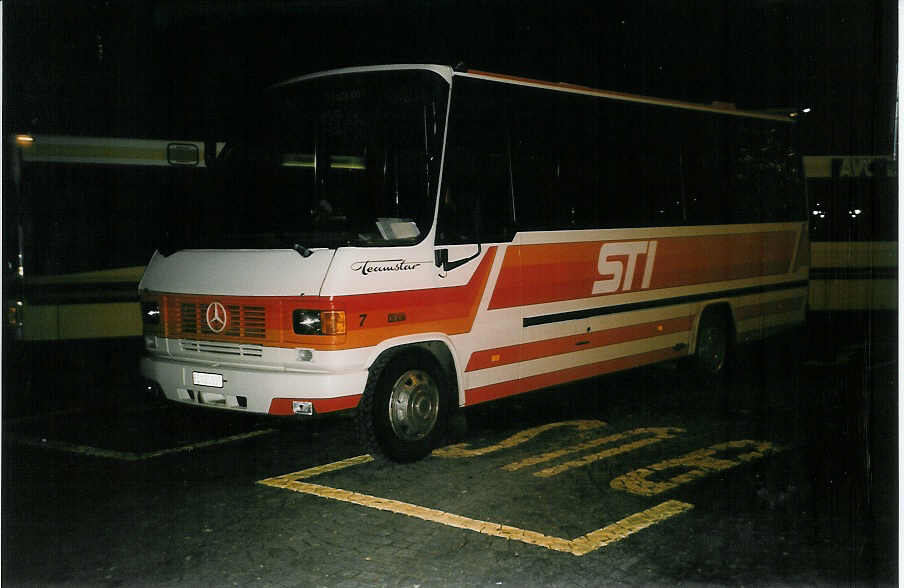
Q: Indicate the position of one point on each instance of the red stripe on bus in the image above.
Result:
(536, 274)
(538, 349)
(519, 386)
(283, 406)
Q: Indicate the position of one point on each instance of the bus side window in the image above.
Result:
(639, 177)
(747, 174)
(578, 163)
(709, 194)
(659, 171)
(780, 172)
(764, 172)
(475, 201)
(535, 161)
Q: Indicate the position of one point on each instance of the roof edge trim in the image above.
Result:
(443, 70)
(624, 96)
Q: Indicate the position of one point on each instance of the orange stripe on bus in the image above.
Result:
(519, 386)
(538, 349)
(446, 310)
(283, 406)
(536, 274)
(449, 310)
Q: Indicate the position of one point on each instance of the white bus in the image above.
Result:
(853, 250)
(853, 228)
(78, 214)
(408, 240)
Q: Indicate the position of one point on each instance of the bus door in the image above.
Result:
(476, 217)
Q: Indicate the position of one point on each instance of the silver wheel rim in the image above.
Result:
(413, 405)
(712, 348)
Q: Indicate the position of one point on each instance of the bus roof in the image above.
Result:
(716, 107)
(448, 73)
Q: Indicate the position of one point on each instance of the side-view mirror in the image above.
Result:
(183, 154)
(441, 256)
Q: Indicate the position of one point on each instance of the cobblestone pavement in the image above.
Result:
(786, 478)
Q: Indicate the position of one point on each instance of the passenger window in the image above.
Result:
(535, 162)
(579, 202)
(710, 197)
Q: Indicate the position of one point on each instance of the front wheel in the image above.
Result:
(403, 411)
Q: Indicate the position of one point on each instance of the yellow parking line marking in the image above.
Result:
(318, 470)
(127, 455)
(462, 449)
(697, 463)
(580, 546)
(628, 526)
(658, 434)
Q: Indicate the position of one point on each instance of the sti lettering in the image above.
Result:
(619, 261)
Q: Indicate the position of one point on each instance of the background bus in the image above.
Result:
(79, 221)
(80, 216)
(854, 249)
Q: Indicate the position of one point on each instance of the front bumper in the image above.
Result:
(259, 390)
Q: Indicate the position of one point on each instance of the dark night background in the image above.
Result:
(168, 69)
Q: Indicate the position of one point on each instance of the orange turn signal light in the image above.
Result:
(332, 322)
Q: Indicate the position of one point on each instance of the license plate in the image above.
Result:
(203, 379)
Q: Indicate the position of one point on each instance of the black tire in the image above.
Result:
(403, 412)
(712, 354)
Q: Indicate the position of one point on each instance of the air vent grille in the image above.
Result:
(222, 348)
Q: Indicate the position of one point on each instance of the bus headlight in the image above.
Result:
(150, 312)
(318, 322)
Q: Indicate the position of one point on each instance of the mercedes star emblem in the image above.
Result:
(216, 317)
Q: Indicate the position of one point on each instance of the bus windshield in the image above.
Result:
(343, 160)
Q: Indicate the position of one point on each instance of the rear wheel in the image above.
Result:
(713, 347)
(404, 408)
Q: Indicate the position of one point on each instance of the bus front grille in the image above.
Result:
(242, 320)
